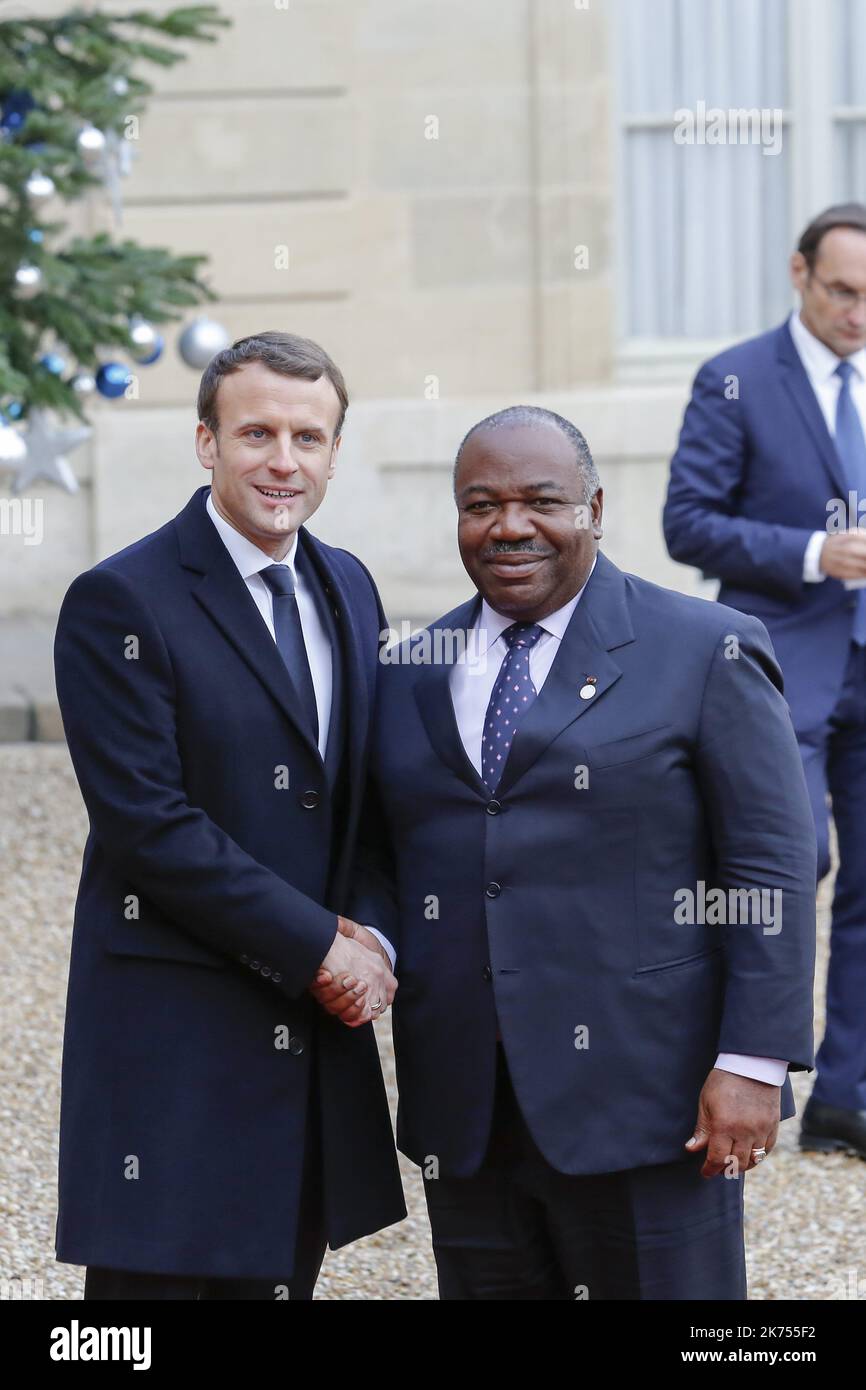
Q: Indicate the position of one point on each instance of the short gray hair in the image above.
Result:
(536, 415)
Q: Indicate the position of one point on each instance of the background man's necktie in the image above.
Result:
(512, 695)
(851, 448)
(290, 640)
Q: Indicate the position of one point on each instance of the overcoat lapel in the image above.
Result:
(224, 596)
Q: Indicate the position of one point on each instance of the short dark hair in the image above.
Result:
(281, 352)
(535, 415)
(840, 215)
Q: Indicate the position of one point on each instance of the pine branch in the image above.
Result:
(61, 74)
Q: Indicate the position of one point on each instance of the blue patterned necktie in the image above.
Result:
(512, 696)
(290, 641)
(851, 448)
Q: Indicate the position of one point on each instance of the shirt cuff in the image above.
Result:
(812, 572)
(385, 943)
(770, 1069)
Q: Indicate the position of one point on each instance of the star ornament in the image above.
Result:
(46, 453)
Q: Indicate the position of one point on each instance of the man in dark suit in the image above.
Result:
(573, 765)
(768, 494)
(216, 682)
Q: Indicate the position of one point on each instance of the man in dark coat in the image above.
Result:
(216, 682)
(605, 872)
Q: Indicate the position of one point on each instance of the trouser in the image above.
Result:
(309, 1251)
(834, 760)
(519, 1229)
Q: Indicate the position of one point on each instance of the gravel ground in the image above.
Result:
(805, 1223)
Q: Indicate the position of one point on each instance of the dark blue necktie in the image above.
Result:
(851, 448)
(290, 641)
(512, 696)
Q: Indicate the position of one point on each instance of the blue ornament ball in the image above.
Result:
(16, 105)
(54, 363)
(112, 379)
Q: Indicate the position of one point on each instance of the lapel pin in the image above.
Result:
(587, 691)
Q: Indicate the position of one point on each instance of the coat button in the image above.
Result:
(493, 890)
(487, 973)
(245, 960)
(310, 800)
(493, 807)
(265, 970)
(296, 1047)
(276, 977)
(254, 965)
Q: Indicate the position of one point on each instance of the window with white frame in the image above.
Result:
(849, 101)
(705, 163)
(707, 224)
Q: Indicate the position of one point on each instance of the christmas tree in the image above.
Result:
(70, 98)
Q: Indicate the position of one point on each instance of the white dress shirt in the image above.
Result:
(471, 684)
(819, 364)
(472, 680)
(250, 561)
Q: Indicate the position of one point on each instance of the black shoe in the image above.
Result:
(827, 1128)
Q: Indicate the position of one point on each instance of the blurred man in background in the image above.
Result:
(767, 491)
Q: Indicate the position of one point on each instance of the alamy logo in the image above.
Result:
(711, 125)
(433, 647)
(76, 1343)
(23, 516)
(846, 514)
(719, 907)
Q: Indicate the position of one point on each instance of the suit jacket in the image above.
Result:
(551, 905)
(208, 898)
(750, 481)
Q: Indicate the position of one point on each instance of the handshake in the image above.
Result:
(354, 981)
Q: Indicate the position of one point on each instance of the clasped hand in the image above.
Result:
(354, 981)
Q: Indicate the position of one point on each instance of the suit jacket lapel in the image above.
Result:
(599, 624)
(799, 388)
(350, 681)
(433, 696)
(225, 597)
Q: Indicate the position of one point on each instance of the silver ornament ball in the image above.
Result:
(200, 341)
(28, 281)
(91, 145)
(39, 188)
(83, 383)
(144, 336)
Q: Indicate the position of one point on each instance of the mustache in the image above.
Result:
(513, 548)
